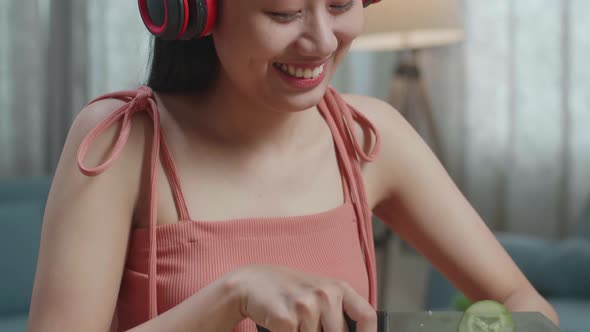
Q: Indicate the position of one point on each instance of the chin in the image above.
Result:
(295, 101)
(301, 101)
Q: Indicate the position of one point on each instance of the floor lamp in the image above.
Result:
(410, 27)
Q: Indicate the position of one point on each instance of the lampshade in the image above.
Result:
(410, 24)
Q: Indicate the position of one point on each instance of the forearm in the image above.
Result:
(214, 308)
(528, 299)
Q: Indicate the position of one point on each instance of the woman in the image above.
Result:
(238, 187)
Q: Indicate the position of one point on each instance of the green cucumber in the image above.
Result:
(486, 316)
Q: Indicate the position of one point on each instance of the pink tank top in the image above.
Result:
(166, 264)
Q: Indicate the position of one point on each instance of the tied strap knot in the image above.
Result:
(140, 99)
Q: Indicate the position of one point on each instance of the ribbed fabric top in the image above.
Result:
(166, 264)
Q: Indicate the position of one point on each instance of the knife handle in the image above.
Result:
(381, 323)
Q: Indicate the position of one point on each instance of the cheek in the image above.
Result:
(346, 31)
(251, 45)
(349, 27)
(267, 42)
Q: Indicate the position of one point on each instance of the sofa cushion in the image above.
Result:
(573, 314)
(20, 231)
(25, 188)
(13, 323)
(555, 268)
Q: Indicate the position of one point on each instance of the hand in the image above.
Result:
(350, 324)
(286, 300)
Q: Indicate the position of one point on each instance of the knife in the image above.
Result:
(445, 321)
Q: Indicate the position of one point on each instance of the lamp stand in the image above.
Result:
(408, 95)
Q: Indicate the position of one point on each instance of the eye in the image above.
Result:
(344, 7)
(288, 17)
(284, 17)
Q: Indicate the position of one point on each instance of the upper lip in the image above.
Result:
(305, 65)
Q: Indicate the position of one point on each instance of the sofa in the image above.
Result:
(559, 270)
(22, 203)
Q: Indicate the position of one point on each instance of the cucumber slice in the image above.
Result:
(486, 316)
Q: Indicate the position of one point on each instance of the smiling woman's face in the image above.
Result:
(283, 53)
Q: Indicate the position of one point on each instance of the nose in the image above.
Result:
(318, 38)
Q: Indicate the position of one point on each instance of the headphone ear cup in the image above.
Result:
(197, 19)
(163, 18)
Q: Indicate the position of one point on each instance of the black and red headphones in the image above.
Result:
(183, 19)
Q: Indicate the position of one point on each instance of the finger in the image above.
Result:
(329, 298)
(333, 320)
(308, 314)
(277, 318)
(359, 310)
(287, 323)
(310, 325)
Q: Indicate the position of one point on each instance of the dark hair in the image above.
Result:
(182, 65)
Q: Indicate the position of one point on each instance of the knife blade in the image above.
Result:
(351, 324)
(446, 321)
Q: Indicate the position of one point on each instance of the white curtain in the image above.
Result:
(118, 46)
(527, 91)
(55, 55)
(23, 46)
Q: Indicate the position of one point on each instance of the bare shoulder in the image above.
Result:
(399, 143)
(373, 108)
(367, 105)
(387, 120)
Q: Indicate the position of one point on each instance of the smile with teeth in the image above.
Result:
(300, 72)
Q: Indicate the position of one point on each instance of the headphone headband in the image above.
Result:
(366, 3)
(183, 19)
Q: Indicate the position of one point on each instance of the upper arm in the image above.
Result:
(85, 230)
(421, 203)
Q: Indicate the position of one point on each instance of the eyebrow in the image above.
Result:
(282, 2)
